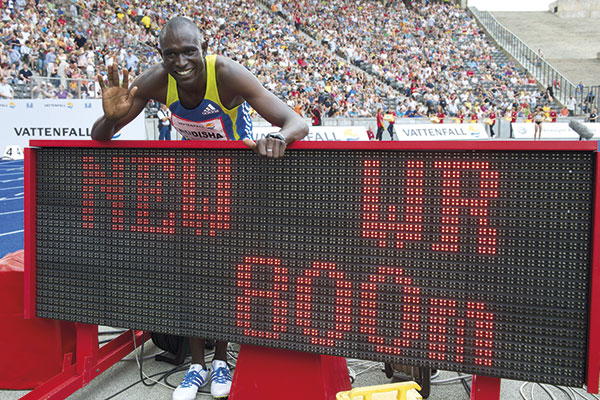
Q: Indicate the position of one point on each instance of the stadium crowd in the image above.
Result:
(347, 59)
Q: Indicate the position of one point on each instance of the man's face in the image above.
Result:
(183, 54)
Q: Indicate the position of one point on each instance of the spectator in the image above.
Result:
(164, 123)
(593, 116)
(62, 93)
(571, 103)
(25, 74)
(564, 112)
(43, 91)
(316, 114)
(6, 91)
(131, 60)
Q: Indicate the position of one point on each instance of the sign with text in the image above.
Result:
(24, 120)
(321, 133)
(465, 260)
(441, 131)
(551, 130)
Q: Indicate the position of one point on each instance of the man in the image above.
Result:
(164, 123)
(25, 74)
(316, 114)
(6, 91)
(131, 60)
(571, 103)
(199, 90)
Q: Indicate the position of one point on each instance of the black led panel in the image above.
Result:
(473, 261)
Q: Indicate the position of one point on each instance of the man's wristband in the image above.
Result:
(278, 136)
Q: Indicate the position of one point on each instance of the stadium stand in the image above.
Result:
(350, 58)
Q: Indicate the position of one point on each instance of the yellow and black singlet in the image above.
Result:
(210, 120)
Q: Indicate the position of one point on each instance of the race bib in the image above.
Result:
(205, 130)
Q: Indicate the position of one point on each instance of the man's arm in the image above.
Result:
(122, 104)
(239, 82)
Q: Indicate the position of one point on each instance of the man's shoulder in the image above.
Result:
(152, 83)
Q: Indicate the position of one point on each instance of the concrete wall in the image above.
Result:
(578, 8)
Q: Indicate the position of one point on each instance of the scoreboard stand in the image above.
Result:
(479, 257)
(285, 374)
(485, 387)
(90, 362)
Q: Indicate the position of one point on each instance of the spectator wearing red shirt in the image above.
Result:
(530, 117)
(441, 115)
(380, 127)
(553, 115)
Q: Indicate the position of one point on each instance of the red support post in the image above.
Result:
(593, 361)
(29, 204)
(485, 388)
(286, 374)
(91, 362)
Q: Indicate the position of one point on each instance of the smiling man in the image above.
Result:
(209, 98)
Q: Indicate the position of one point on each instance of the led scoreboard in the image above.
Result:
(473, 257)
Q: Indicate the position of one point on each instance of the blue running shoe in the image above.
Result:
(195, 378)
(220, 377)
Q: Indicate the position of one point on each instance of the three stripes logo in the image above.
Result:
(210, 109)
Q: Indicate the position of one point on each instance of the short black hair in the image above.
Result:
(176, 22)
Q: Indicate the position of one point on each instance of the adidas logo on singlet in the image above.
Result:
(210, 110)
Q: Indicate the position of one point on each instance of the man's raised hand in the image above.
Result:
(116, 99)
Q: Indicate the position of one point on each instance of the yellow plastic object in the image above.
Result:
(402, 391)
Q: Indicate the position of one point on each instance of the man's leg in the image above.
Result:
(197, 350)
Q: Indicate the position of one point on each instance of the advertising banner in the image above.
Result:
(551, 130)
(320, 133)
(403, 132)
(56, 119)
(441, 132)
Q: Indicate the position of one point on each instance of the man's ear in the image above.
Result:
(204, 46)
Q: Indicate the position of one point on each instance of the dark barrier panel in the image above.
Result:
(474, 261)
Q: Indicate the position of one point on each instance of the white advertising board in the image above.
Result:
(551, 130)
(321, 133)
(441, 132)
(403, 132)
(54, 119)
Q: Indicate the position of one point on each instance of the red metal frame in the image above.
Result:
(91, 361)
(338, 145)
(593, 361)
(29, 203)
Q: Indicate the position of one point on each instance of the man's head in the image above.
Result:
(182, 47)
